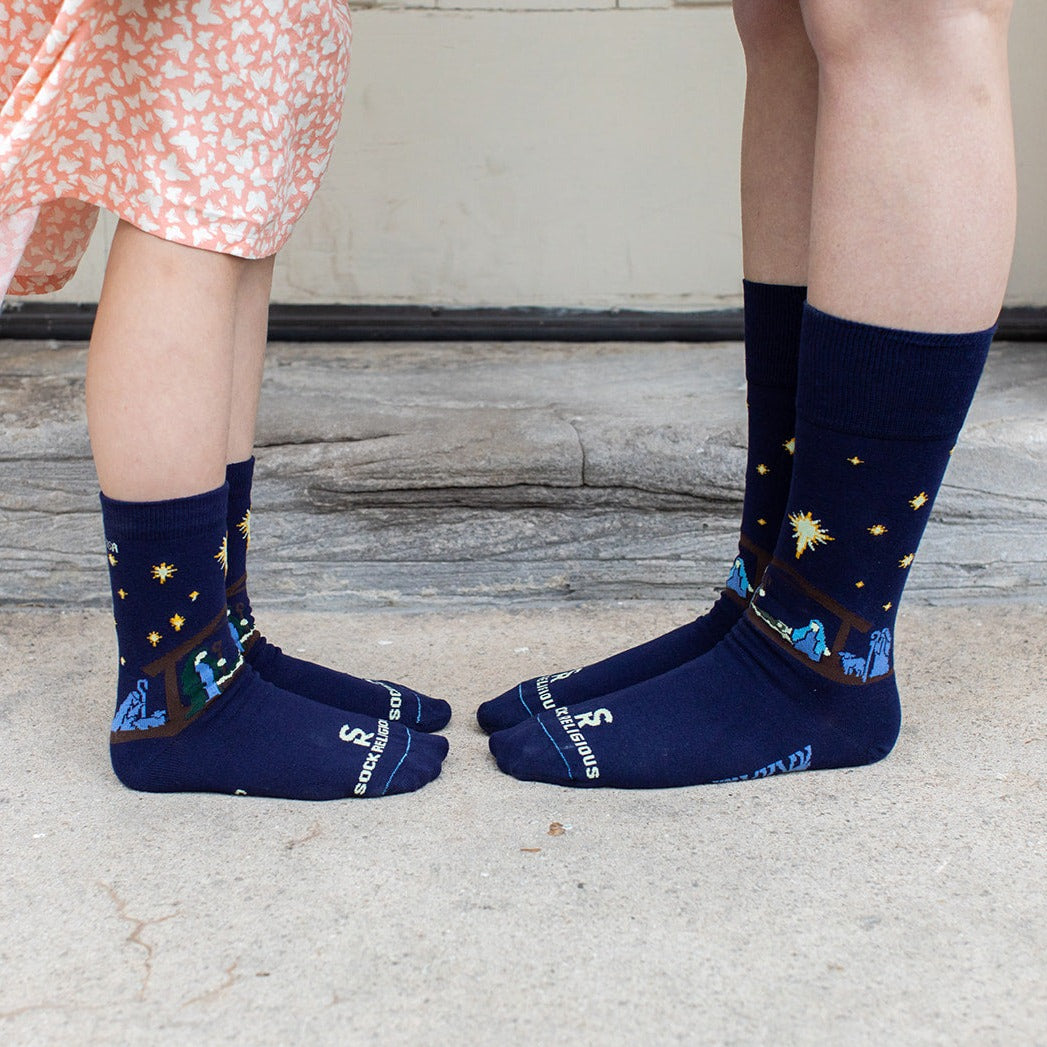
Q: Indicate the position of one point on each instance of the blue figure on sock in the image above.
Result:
(236, 637)
(738, 579)
(880, 653)
(876, 663)
(853, 664)
(206, 674)
(810, 640)
(132, 714)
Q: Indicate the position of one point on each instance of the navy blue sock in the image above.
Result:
(773, 315)
(192, 715)
(381, 698)
(805, 680)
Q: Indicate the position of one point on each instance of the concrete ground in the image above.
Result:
(898, 904)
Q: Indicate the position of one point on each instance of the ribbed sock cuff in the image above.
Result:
(171, 518)
(878, 381)
(773, 319)
(238, 475)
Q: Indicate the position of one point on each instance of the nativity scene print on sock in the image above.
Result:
(176, 654)
(747, 570)
(848, 644)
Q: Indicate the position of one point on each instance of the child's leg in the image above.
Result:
(777, 158)
(191, 713)
(379, 698)
(913, 219)
(160, 368)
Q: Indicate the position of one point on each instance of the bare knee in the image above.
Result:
(850, 30)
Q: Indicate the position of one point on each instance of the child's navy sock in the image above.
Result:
(391, 701)
(192, 715)
(806, 679)
(773, 315)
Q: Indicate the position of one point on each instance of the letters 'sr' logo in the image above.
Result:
(357, 736)
(595, 718)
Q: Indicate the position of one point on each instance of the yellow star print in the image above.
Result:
(808, 532)
(163, 571)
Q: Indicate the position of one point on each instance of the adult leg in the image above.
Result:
(777, 158)
(912, 223)
(191, 713)
(914, 183)
(778, 131)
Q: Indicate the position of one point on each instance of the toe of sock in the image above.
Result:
(431, 714)
(505, 711)
(526, 752)
(419, 765)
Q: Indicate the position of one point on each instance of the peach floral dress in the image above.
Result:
(206, 122)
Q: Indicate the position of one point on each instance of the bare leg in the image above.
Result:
(914, 185)
(781, 110)
(777, 161)
(160, 368)
(252, 323)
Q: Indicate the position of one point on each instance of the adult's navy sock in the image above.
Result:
(192, 715)
(380, 698)
(773, 317)
(805, 680)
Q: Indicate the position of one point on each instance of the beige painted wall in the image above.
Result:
(560, 153)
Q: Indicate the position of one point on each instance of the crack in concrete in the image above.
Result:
(48, 1005)
(315, 830)
(231, 978)
(135, 937)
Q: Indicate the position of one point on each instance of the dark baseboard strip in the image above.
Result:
(378, 323)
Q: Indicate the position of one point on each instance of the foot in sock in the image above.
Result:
(192, 715)
(805, 680)
(377, 698)
(773, 316)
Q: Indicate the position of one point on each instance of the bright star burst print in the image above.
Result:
(222, 556)
(919, 501)
(808, 532)
(244, 527)
(163, 571)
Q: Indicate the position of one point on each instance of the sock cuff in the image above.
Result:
(887, 383)
(170, 518)
(773, 319)
(238, 475)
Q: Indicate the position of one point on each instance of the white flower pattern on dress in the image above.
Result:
(206, 122)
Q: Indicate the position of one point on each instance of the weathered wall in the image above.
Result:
(560, 152)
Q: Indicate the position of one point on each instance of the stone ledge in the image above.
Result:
(520, 472)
